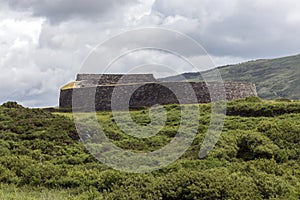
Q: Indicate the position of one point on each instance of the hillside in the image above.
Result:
(274, 78)
(257, 156)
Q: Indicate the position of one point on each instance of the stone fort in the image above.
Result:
(144, 91)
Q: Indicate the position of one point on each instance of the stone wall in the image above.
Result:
(110, 79)
(148, 94)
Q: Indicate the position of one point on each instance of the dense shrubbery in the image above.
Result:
(257, 157)
(254, 107)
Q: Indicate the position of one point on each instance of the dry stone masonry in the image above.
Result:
(144, 91)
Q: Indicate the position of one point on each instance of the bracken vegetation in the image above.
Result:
(256, 157)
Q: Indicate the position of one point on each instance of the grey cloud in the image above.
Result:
(60, 10)
(231, 31)
(248, 29)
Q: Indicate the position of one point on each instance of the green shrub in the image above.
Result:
(254, 145)
(256, 156)
(283, 100)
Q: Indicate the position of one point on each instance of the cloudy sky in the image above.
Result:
(43, 43)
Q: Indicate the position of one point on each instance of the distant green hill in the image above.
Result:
(274, 78)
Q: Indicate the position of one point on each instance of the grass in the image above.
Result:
(11, 192)
(69, 86)
(256, 157)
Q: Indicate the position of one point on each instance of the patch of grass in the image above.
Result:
(69, 86)
(11, 192)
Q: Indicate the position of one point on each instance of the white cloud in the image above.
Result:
(250, 28)
(43, 42)
(38, 56)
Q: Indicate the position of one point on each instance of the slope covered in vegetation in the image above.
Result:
(274, 78)
(257, 156)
